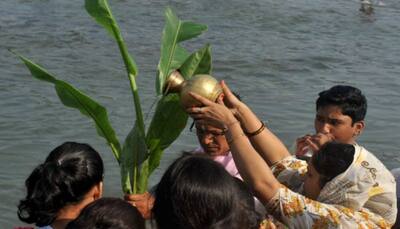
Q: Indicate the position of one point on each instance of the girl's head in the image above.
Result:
(331, 160)
(68, 175)
(196, 192)
(108, 213)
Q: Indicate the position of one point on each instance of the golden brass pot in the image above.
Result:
(204, 85)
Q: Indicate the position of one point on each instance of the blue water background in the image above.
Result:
(277, 54)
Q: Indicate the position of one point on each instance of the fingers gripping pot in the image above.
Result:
(204, 85)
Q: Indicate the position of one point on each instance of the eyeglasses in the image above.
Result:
(201, 132)
(213, 134)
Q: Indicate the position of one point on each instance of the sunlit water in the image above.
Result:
(277, 54)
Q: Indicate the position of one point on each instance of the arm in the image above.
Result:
(266, 143)
(251, 165)
(270, 148)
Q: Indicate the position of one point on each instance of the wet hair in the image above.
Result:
(349, 99)
(108, 213)
(66, 176)
(198, 193)
(332, 159)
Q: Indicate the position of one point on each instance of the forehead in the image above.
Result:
(208, 128)
(333, 112)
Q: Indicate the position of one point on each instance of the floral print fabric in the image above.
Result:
(364, 196)
(296, 211)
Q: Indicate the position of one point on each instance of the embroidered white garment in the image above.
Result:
(364, 194)
(367, 183)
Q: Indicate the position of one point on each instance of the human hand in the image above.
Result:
(212, 113)
(229, 99)
(315, 142)
(312, 143)
(302, 146)
(143, 202)
(318, 140)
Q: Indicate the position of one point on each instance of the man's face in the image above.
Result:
(312, 186)
(212, 140)
(330, 120)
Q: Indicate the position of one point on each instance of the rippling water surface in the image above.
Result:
(277, 54)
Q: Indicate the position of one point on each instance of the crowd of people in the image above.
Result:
(241, 176)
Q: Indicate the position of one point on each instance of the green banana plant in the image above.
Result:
(142, 150)
(72, 97)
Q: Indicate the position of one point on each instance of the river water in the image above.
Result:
(277, 54)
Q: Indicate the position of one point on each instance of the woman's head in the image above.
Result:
(108, 213)
(196, 192)
(212, 140)
(65, 178)
(331, 160)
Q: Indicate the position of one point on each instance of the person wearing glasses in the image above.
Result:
(214, 144)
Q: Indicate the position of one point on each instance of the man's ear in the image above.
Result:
(359, 127)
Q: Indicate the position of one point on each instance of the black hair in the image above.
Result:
(332, 159)
(108, 213)
(198, 193)
(245, 195)
(68, 173)
(349, 99)
(247, 202)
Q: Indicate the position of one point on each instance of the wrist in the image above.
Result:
(240, 111)
(256, 132)
(228, 120)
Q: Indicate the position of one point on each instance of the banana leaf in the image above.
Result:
(134, 153)
(169, 118)
(141, 153)
(72, 97)
(198, 63)
(175, 31)
(101, 12)
(144, 177)
(168, 122)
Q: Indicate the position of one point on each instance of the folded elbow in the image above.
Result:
(266, 190)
